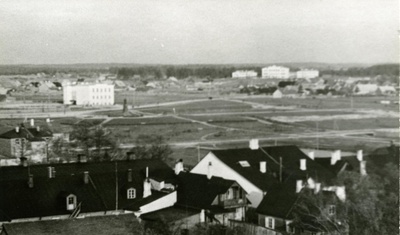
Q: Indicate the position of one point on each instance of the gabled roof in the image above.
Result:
(197, 191)
(13, 134)
(290, 154)
(17, 200)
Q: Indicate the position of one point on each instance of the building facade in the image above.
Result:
(307, 73)
(244, 74)
(276, 72)
(88, 94)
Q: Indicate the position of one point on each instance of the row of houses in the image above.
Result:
(278, 72)
(258, 186)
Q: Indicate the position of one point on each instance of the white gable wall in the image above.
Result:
(220, 169)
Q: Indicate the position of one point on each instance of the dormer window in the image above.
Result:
(131, 193)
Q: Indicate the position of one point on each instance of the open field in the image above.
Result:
(354, 124)
(330, 103)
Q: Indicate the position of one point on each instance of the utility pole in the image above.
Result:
(280, 169)
(316, 123)
(116, 186)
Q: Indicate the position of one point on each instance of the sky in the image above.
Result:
(198, 31)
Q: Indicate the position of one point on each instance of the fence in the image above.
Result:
(252, 229)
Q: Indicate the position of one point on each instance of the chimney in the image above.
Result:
(32, 122)
(303, 165)
(335, 156)
(299, 185)
(363, 168)
(48, 120)
(209, 171)
(253, 144)
(317, 188)
(86, 177)
(37, 128)
(263, 167)
(178, 167)
(360, 155)
(311, 155)
(30, 181)
(17, 129)
(202, 216)
(129, 175)
(146, 188)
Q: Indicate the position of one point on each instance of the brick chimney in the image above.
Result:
(263, 166)
(32, 122)
(38, 128)
(178, 167)
(303, 164)
(146, 188)
(86, 177)
(253, 144)
(17, 129)
(360, 155)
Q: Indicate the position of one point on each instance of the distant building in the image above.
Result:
(365, 89)
(89, 94)
(307, 73)
(276, 72)
(244, 74)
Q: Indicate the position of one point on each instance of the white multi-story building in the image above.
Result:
(244, 74)
(307, 73)
(276, 72)
(89, 94)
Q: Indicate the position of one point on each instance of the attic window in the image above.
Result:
(244, 163)
(131, 193)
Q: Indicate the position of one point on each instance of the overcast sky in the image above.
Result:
(198, 31)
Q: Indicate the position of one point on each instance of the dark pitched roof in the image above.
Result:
(17, 200)
(290, 154)
(197, 191)
(28, 133)
(13, 134)
(121, 224)
(279, 201)
(170, 214)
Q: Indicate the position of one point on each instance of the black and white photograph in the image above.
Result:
(199, 117)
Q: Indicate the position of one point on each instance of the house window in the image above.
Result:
(131, 193)
(270, 222)
(332, 210)
(70, 201)
(289, 228)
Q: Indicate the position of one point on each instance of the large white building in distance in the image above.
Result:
(307, 73)
(275, 72)
(89, 94)
(244, 74)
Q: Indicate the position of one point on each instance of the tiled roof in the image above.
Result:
(290, 154)
(197, 191)
(17, 200)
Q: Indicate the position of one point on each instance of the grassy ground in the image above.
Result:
(354, 124)
(330, 103)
